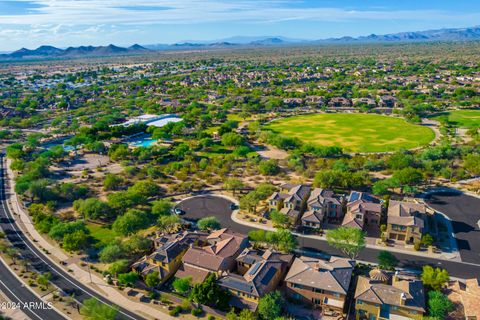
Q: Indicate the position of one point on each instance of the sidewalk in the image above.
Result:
(441, 256)
(56, 254)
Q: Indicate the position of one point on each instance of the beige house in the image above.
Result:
(465, 294)
(167, 255)
(406, 221)
(290, 200)
(322, 206)
(258, 273)
(321, 283)
(362, 209)
(402, 299)
(218, 256)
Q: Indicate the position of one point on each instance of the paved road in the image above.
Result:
(21, 296)
(464, 211)
(202, 206)
(41, 263)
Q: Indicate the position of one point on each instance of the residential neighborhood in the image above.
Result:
(327, 171)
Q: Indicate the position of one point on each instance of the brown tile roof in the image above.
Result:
(403, 292)
(313, 216)
(333, 275)
(219, 254)
(467, 294)
(351, 221)
(319, 197)
(265, 265)
(198, 275)
(403, 213)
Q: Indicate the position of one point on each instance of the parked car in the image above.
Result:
(178, 211)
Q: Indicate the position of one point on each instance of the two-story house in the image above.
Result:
(403, 299)
(465, 294)
(167, 255)
(405, 221)
(258, 273)
(322, 205)
(218, 256)
(321, 283)
(290, 200)
(362, 209)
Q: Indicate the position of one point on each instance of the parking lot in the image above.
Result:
(464, 211)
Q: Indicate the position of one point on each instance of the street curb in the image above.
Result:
(2, 260)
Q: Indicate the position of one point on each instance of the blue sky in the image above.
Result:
(63, 23)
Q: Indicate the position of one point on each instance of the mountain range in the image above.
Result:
(53, 52)
(440, 35)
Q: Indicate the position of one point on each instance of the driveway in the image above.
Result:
(464, 211)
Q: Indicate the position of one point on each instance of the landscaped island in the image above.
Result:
(354, 132)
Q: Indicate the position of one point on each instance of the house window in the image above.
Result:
(317, 290)
(297, 286)
(336, 295)
(385, 311)
(359, 302)
(315, 301)
(398, 228)
(413, 312)
(372, 317)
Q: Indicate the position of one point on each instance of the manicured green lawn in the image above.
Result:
(354, 132)
(101, 234)
(463, 118)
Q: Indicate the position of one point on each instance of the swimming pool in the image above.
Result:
(145, 143)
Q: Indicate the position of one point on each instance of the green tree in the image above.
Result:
(427, 240)
(233, 184)
(92, 208)
(112, 182)
(348, 240)
(182, 285)
(269, 167)
(439, 305)
(232, 139)
(257, 235)
(111, 252)
(208, 292)
(119, 266)
(434, 278)
(44, 279)
(145, 188)
(93, 309)
(209, 223)
(161, 207)
(131, 222)
(282, 240)
(279, 219)
(168, 223)
(128, 279)
(152, 279)
(75, 241)
(387, 260)
(270, 305)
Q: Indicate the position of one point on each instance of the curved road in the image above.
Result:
(41, 263)
(202, 206)
(464, 211)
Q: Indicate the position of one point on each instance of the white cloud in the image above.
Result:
(92, 12)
